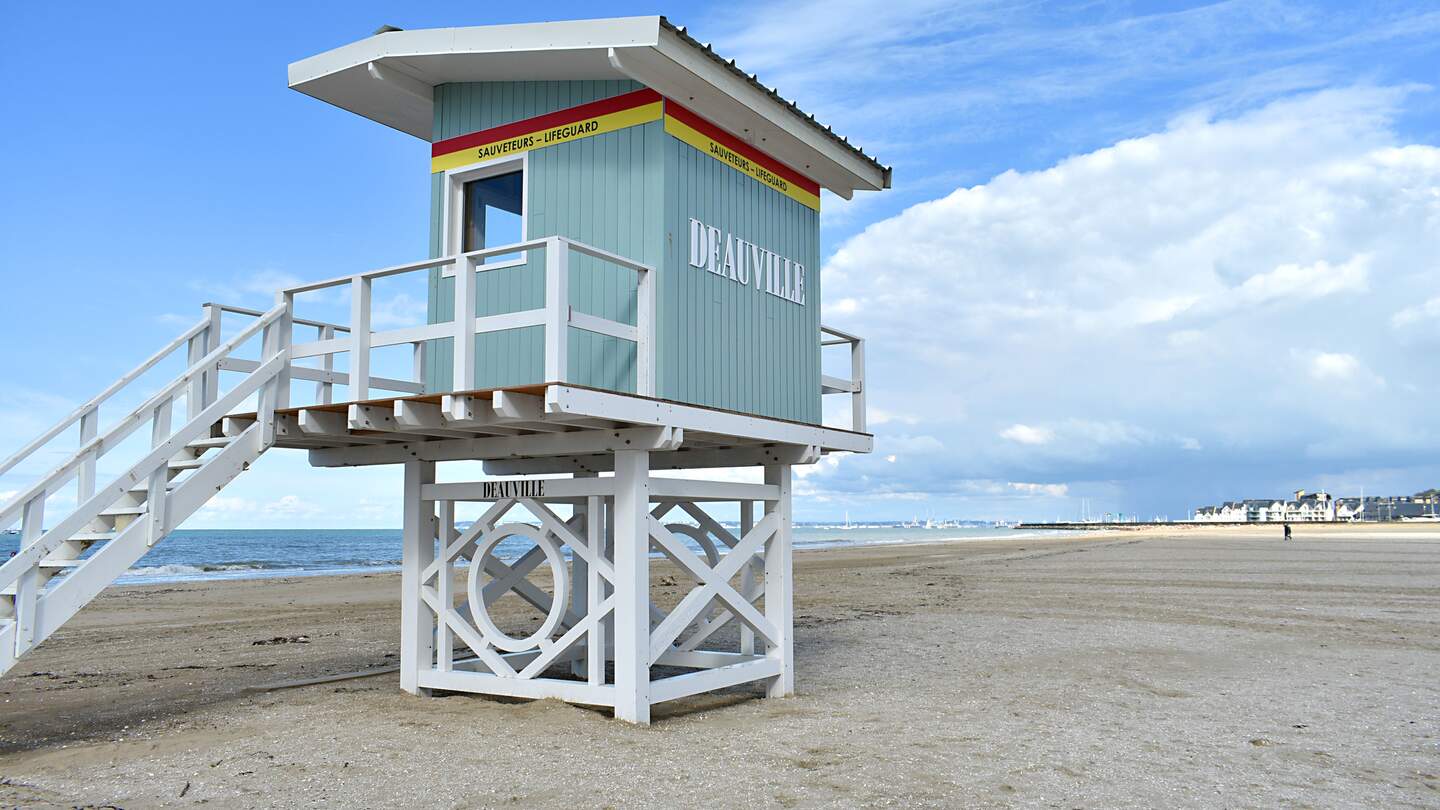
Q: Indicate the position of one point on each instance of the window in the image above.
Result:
(492, 212)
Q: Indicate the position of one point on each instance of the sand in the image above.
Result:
(1200, 668)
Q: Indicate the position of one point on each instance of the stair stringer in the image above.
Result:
(58, 603)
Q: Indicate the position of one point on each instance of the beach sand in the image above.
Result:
(1196, 667)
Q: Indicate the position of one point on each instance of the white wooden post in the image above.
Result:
(580, 579)
(595, 652)
(747, 576)
(155, 498)
(463, 374)
(27, 589)
(85, 476)
(417, 625)
(275, 394)
(325, 389)
(778, 584)
(444, 587)
(632, 586)
(212, 342)
(557, 309)
(195, 390)
(645, 329)
(360, 288)
(418, 362)
(857, 376)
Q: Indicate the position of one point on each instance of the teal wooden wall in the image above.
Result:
(632, 192)
(600, 190)
(740, 348)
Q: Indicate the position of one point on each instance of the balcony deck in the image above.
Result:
(549, 428)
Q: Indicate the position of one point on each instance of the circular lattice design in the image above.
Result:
(700, 536)
(560, 574)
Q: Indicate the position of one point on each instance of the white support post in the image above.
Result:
(325, 389)
(195, 390)
(360, 289)
(595, 654)
(778, 584)
(463, 374)
(645, 329)
(85, 475)
(275, 394)
(444, 587)
(632, 586)
(417, 625)
(212, 342)
(747, 576)
(27, 589)
(857, 376)
(581, 579)
(557, 309)
(418, 362)
(155, 499)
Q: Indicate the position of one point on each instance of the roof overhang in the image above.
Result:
(390, 78)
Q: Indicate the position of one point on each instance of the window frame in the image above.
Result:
(454, 202)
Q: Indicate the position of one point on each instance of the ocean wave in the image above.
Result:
(181, 570)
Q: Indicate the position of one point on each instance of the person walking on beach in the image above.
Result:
(1287, 532)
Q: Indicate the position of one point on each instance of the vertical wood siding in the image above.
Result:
(576, 189)
(741, 349)
(632, 192)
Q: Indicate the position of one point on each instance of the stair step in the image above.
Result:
(60, 564)
(93, 537)
(143, 490)
(220, 441)
(120, 511)
(190, 464)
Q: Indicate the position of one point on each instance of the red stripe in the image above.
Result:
(638, 98)
(714, 132)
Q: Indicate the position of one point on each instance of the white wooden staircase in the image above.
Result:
(59, 570)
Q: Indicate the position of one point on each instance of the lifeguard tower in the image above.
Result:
(630, 227)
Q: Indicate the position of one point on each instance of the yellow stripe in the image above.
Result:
(574, 131)
(717, 150)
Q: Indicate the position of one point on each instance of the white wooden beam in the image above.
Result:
(708, 680)
(567, 399)
(779, 584)
(382, 418)
(632, 586)
(494, 447)
(557, 309)
(417, 625)
(684, 458)
(534, 688)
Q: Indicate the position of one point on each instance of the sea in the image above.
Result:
(225, 554)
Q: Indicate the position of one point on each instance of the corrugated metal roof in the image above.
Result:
(774, 94)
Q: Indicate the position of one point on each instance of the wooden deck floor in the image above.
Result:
(546, 428)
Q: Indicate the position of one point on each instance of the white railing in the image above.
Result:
(555, 316)
(199, 383)
(855, 385)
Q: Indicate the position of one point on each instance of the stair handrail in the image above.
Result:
(30, 555)
(122, 429)
(99, 399)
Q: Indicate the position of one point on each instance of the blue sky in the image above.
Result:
(1147, 255)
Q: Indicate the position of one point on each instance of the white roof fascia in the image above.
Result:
(389, 78)
(709, 71)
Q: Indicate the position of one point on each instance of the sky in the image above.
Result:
(1138, 257)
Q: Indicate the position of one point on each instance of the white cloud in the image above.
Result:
(396, 311)
(1420, 313)
(1334, 366)
(1047, 490)
(1161, 297)
(1025, 434)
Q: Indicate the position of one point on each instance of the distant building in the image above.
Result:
(1312, 507)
